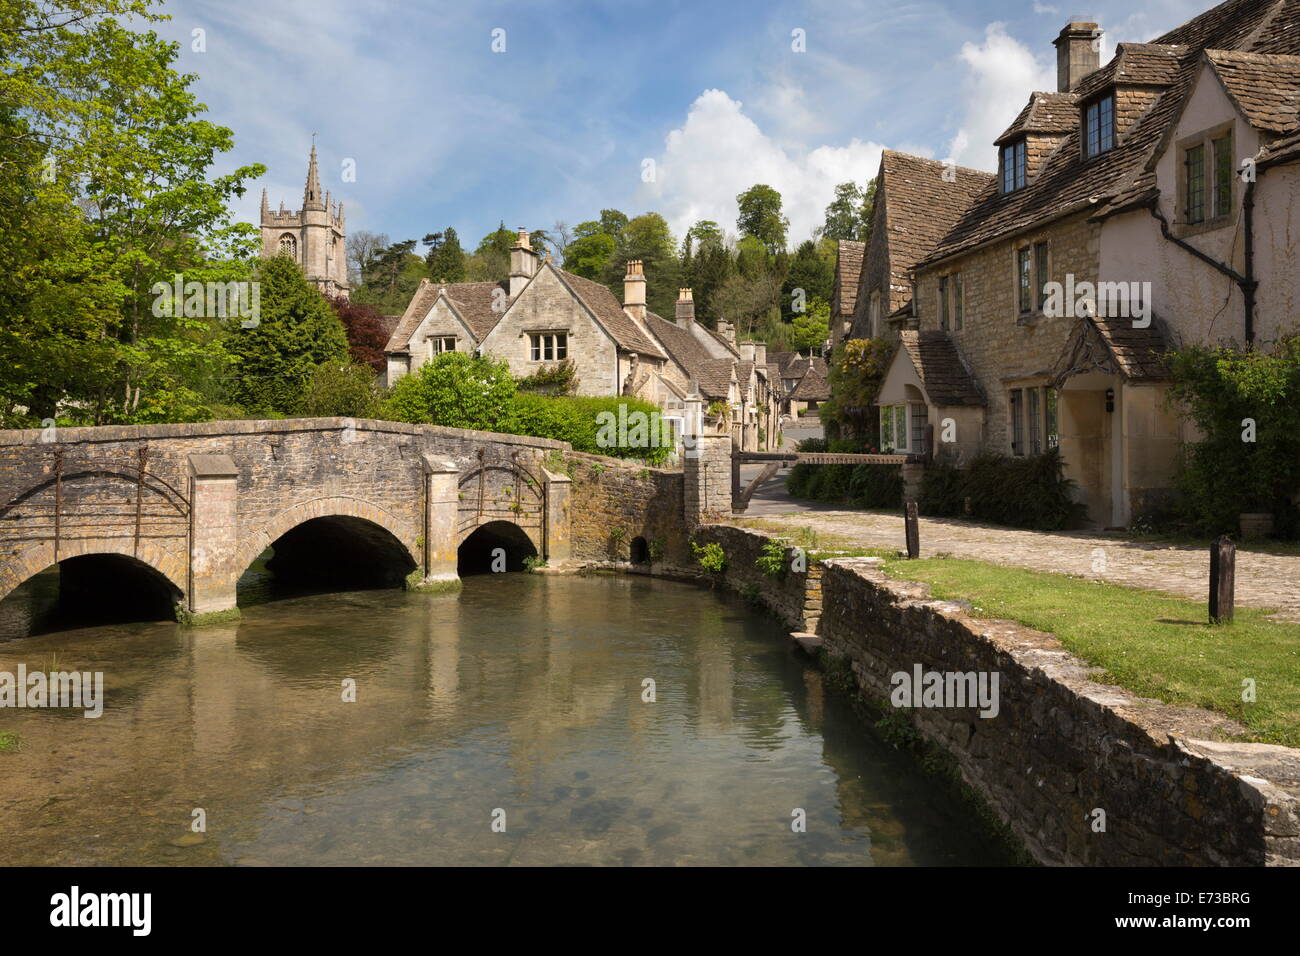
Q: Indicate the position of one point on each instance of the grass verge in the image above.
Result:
(1154, 645)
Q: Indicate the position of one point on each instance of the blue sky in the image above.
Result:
(444, 131)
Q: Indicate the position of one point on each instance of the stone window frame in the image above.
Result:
(287, 241)
(950, 296)
(1034, 394)
(1205, 138)
(537, 345)
(1039, 249)
(909, 417)
(1018, 149)
(441, 348)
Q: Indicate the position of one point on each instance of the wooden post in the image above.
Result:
(1223, 571)
(912, 530)
(736, 503)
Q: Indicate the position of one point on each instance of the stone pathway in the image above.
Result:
(1263, 580)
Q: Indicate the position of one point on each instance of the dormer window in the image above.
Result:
(1013, 166)
(1099, 126)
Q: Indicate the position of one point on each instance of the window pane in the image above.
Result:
(1092, 122)
(943, 302)
(1223, 175)
(1195, 160)
(1017, 424)
(1024, 279)
(536, 341)
(957, 305)
(1107, 123)
(1035, 421)
(561, 346)
(1007, 181)
(1040, 266)
(919, 421)
(900, 428)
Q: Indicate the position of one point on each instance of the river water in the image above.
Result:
(504, 724)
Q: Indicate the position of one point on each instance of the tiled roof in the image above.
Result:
(848, 274)
(684, 349)
(814, 386)
(940, 368)
(473, 300)
(744, 371)
(1264, 86)
(1045, 113)
(715, 378)
(1113, 345)
(921, 207)
(1067, 182)
(610, 314)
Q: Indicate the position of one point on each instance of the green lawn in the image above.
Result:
(1152, 644)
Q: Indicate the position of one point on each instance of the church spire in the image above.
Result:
(311, 195)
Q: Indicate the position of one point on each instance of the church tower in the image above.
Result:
(313, 235)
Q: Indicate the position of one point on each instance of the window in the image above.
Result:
(1099, 126)
(902, 428)
(943, 303)
(1041, 273)
(1033, 420)
(549, 346)
(919, 420)
(1195, 162)
(289, 246)
(1024, 277)
(1013, 166)
(441, 343)
(1222, 175)
(958, 307)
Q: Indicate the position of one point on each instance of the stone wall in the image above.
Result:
(610, 496)
(1063, 746)
(794, 596)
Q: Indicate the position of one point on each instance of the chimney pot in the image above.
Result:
(1078, 53)
(685, 308)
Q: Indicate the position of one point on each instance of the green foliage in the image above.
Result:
(857, 370)
(647, 238)
(710, 557)
(455, 390)
(343, 391)
(445, 260)
(1223, 475)
(813, 274)
(771, 560)
(849, 214)
(533, 562)
(760, 217)
(276, 359)
(1028, 492)
(575, 419)
(590, 251)
(560, 378)
(811, 327)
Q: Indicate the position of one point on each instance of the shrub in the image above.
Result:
(876, 486)
(577, 420)
(350, 391)
(710, 557)
(455, 390)
(771, 561)
(1029, 492)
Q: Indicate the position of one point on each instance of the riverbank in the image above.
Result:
(1082, 772)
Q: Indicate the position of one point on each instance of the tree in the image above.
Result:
(105, 193)
(761, 218)
(363, 248)
(589, 251)
(612, 223)
(392, 279)
(843, 214)
(297, 331)
(857, 370)
(491, 260)
(809, 277)
(342, 391)
(456, 390)
(365, 329)
(745, 301)
(648, 238)
(809, 328)
(446, 259)
(703, 234)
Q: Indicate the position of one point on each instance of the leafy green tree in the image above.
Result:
(105, 192)
(456, 390)
(705, 273)
(849, 214)
(342, 391)
(704, 234)
(857, 370)
(810, 277)
(809, 329)
(612, 223)
(648, 238)
(297, 331)
(589, 251)
(445, 259)
(761, 218)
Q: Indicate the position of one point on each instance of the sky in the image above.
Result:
(477, 112)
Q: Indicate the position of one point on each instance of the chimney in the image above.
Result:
(685, 308)
(727, 331)
(747, 351)
(523, 263)
(634, 290)
(1078, 53)
(760, 353)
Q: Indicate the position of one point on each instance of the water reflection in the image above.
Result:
(521, 693)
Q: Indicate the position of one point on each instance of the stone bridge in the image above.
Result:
(367, 502)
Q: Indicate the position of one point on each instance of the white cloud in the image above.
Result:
(720, 152)
(1001, 73)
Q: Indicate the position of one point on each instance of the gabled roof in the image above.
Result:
(1265, 87)
(813, 386)
(1049, 113)
(683, 347)
(939, 366)
(472, 301)
(1114, 346)
(848, 274)
(715, 378)
(1118, 178)
(921, 205)
(621, 326)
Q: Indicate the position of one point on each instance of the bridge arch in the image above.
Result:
(169, 566)
(483, 544)
(355, 537)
